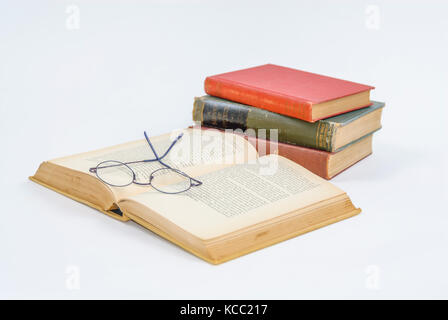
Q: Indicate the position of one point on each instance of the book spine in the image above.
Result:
(263, 99)
(314, 160)
(220, 113)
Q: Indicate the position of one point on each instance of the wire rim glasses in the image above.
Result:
(120, 174)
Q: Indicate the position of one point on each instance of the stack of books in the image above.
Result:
(220, 211)
(324, 124)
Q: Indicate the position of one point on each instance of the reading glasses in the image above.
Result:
(120, 174)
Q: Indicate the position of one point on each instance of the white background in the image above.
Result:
(136, 65)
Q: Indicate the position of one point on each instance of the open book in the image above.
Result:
(245, 202)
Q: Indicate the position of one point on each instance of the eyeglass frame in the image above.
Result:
(193, 182)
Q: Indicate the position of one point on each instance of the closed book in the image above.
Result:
(294, 93)
(331, 134)
(322, 163)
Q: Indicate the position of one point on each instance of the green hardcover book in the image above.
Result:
(331, 134)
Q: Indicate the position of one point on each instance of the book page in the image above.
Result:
(239, 196)
(198, 151)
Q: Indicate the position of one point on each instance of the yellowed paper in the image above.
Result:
(239, 196)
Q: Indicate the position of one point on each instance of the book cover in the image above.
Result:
(322, 163)
(282, 90)
(220, 113)
(325, 164)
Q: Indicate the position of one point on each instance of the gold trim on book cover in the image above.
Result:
(123, 218)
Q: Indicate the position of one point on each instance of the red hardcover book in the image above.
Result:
(325, 164)
(295, 93)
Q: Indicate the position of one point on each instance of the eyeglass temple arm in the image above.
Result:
(195, 182)
(93, 170)
(166, 152)
(151, 146)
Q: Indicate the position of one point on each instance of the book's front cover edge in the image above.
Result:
(339, 113)
(354, 163)
(123, 218)
(355, 141)
(166, 236)
(127, 216)
(187, 248)
(325, 223)
(360, 113)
